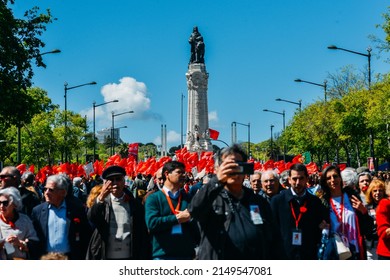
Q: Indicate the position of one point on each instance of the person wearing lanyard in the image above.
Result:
(174, 235)
(348, 215)
(299, 216)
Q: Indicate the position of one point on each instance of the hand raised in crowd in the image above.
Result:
(228, 167)
(358, 205)
(183, 216)
(106, 190)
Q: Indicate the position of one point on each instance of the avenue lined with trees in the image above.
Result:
(337, 129)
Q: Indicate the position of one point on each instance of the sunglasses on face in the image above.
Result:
(49, 190)
(5, 203)
(6, 176)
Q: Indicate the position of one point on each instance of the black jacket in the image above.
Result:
(308, 225)
(212, 208)
(99, 215)
(79, 228)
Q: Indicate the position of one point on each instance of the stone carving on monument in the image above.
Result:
(198, 137)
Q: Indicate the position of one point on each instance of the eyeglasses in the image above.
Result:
(49, 190)
(5, 203)
(3, 176)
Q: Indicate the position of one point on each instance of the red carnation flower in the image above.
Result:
(302, 209)
(76, 220)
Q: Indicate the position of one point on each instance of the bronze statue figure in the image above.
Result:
(197, 46)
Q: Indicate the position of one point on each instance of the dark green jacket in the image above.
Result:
(160, 221)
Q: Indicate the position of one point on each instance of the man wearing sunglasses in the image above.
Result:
(10, 177)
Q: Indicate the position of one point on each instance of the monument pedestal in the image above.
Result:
(198, 136)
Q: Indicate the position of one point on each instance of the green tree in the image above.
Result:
(19, 47)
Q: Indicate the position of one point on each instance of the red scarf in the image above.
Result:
(8, 222)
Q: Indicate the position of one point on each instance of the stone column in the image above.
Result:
(197, 137)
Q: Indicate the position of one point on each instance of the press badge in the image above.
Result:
(176, 229)
(297, 237)
(255, 215)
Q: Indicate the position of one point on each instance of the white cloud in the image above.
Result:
(213, 116)
(131, 96)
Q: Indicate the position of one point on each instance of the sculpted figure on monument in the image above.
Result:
(197, 46)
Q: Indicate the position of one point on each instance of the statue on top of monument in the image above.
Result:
(197, 46)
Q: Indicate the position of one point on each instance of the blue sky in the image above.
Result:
(138, 52)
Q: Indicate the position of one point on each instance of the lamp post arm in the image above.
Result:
(87, 84)
(359, 53)
(320, 85)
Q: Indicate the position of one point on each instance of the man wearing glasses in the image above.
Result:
(10, 177)
(61, 221)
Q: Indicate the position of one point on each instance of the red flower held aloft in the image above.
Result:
(302, 209)
(76, 220)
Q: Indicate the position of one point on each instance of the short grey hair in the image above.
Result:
(14, 197)
(273, 172)
(61, 180)
(349, 177)
(254, 173)
(233, 149)
(77, 181)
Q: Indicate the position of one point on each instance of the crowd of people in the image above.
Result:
(175, 216)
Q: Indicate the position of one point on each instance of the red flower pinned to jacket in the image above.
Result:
(76, 220)
(302, 209)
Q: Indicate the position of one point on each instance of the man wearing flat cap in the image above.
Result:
(121, 232)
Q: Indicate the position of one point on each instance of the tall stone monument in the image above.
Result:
(198, 136)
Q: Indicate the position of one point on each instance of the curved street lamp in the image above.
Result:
(368, 55)
(112, 127)
(18, 132)
(66, 88)
(324, 85)
(94, 133)
(299, 103)
(284, 126)
(234, 134)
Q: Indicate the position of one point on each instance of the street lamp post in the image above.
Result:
(272, 144)
(368, 55)
(66, 88)
(94, 133)
(284, 126)
(19, 126)
(181, 121)
(112, 128)
(299, 103)
(324, 85)
(234, 134)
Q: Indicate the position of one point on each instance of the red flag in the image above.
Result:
(312, 167)
(22, 168)
(213, 134)
(298, 159)
(342, 166)
(133, 150)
